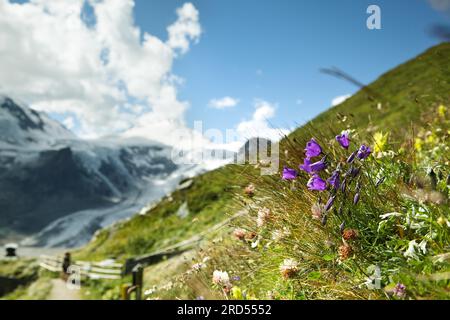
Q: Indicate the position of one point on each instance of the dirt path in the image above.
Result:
(61, 292)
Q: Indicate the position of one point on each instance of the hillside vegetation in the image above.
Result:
(386, 234)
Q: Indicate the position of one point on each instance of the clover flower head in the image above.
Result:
(239, 233)
(349, 234)
(221, 278)
(264, 216)
(250, 190)
(278, 235)
(289, 268)
(345, 251)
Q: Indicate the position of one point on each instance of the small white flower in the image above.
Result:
(150, 291)
(255, 244)
(423, 246)
(289, 264)
(263, 216)
(411, 252)
(278, 235)
(221, 277)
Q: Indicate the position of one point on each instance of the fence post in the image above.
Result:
(138, 273)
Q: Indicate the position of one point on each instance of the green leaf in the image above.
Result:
(328, 257)
(314, 275)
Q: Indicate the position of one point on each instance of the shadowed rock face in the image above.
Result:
(47, 173)
(55, 184)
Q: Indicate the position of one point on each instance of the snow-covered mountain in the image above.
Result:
(58, 189)
(22, 127)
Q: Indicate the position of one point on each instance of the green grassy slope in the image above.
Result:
(403, 94)
(207, 199)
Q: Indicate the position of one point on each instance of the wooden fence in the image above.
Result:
(92, 270)
(135, 265)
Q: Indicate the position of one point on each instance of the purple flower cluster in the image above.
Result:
(312, 150)
(336, 182)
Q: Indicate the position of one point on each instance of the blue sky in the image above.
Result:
(289, 41)
(112, 71)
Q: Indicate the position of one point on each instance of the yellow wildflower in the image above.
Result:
(418, 144)
(236, 293)
(431, 139)
(442, 110)
(380, 141)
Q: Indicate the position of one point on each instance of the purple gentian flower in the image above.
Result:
(356, 199)
(316, 183)
(319, 165)
(351, 158)
(335, 180)
(289, 174)
(313, 149)
(329, 203)
(343, 139)
(306, 165)
(363, 152)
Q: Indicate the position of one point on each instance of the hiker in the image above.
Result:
(11, 250)
(65, 265)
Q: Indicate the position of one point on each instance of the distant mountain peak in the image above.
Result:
(22, 126)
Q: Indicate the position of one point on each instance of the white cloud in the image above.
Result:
(50, 58)
(259, 125)
(340, 99)
(186, 29)
(223, 103)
